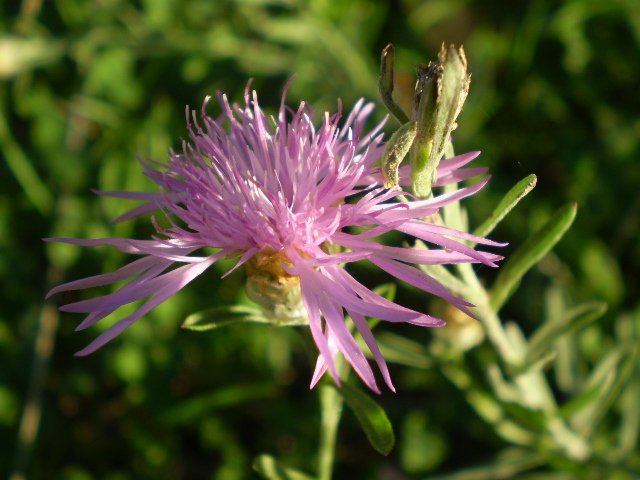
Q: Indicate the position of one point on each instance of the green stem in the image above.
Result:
(331, 405)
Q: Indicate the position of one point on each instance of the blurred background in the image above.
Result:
(87, 85)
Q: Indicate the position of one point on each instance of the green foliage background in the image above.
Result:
(86, 85)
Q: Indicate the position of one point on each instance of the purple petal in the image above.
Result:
(378, 302)
(312, 304)
(421, 280)
(128, 271)
(460, 175)
(364, 329)
(189, 273)
(345, 342)
(128, 295)
(411, 255)
(448, 164)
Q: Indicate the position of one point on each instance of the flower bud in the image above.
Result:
(440, 93)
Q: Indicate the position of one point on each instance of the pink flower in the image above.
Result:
(273, 193)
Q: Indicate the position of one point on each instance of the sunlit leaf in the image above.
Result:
(510, 200)
(525, 417)
(493, 412)
(22, 168)
(372, 418)
(422, 447)
(536, 247)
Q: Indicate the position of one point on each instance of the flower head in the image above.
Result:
(273, 193)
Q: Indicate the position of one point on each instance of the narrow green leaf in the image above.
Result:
(536, 247)
(573, 320)
(600, 380)
(269, 468)
(525, 417)
(493, 412)
(223, 317)
(372, 418)
(539, 363)
(510, 200)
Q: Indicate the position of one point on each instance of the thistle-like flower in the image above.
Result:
(280, 196)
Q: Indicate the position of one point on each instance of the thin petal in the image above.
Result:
(411, 255)
(187, 275)
(345, 342)
(130, 270)
(421, 280)
(142, 290)
(308, 288)
(364, 329)
(448, 164)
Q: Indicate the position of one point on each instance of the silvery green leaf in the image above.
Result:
(603, 388)
(395, 151)
(544, 338)
(510, 200)
(536, 247)
(493, 412)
